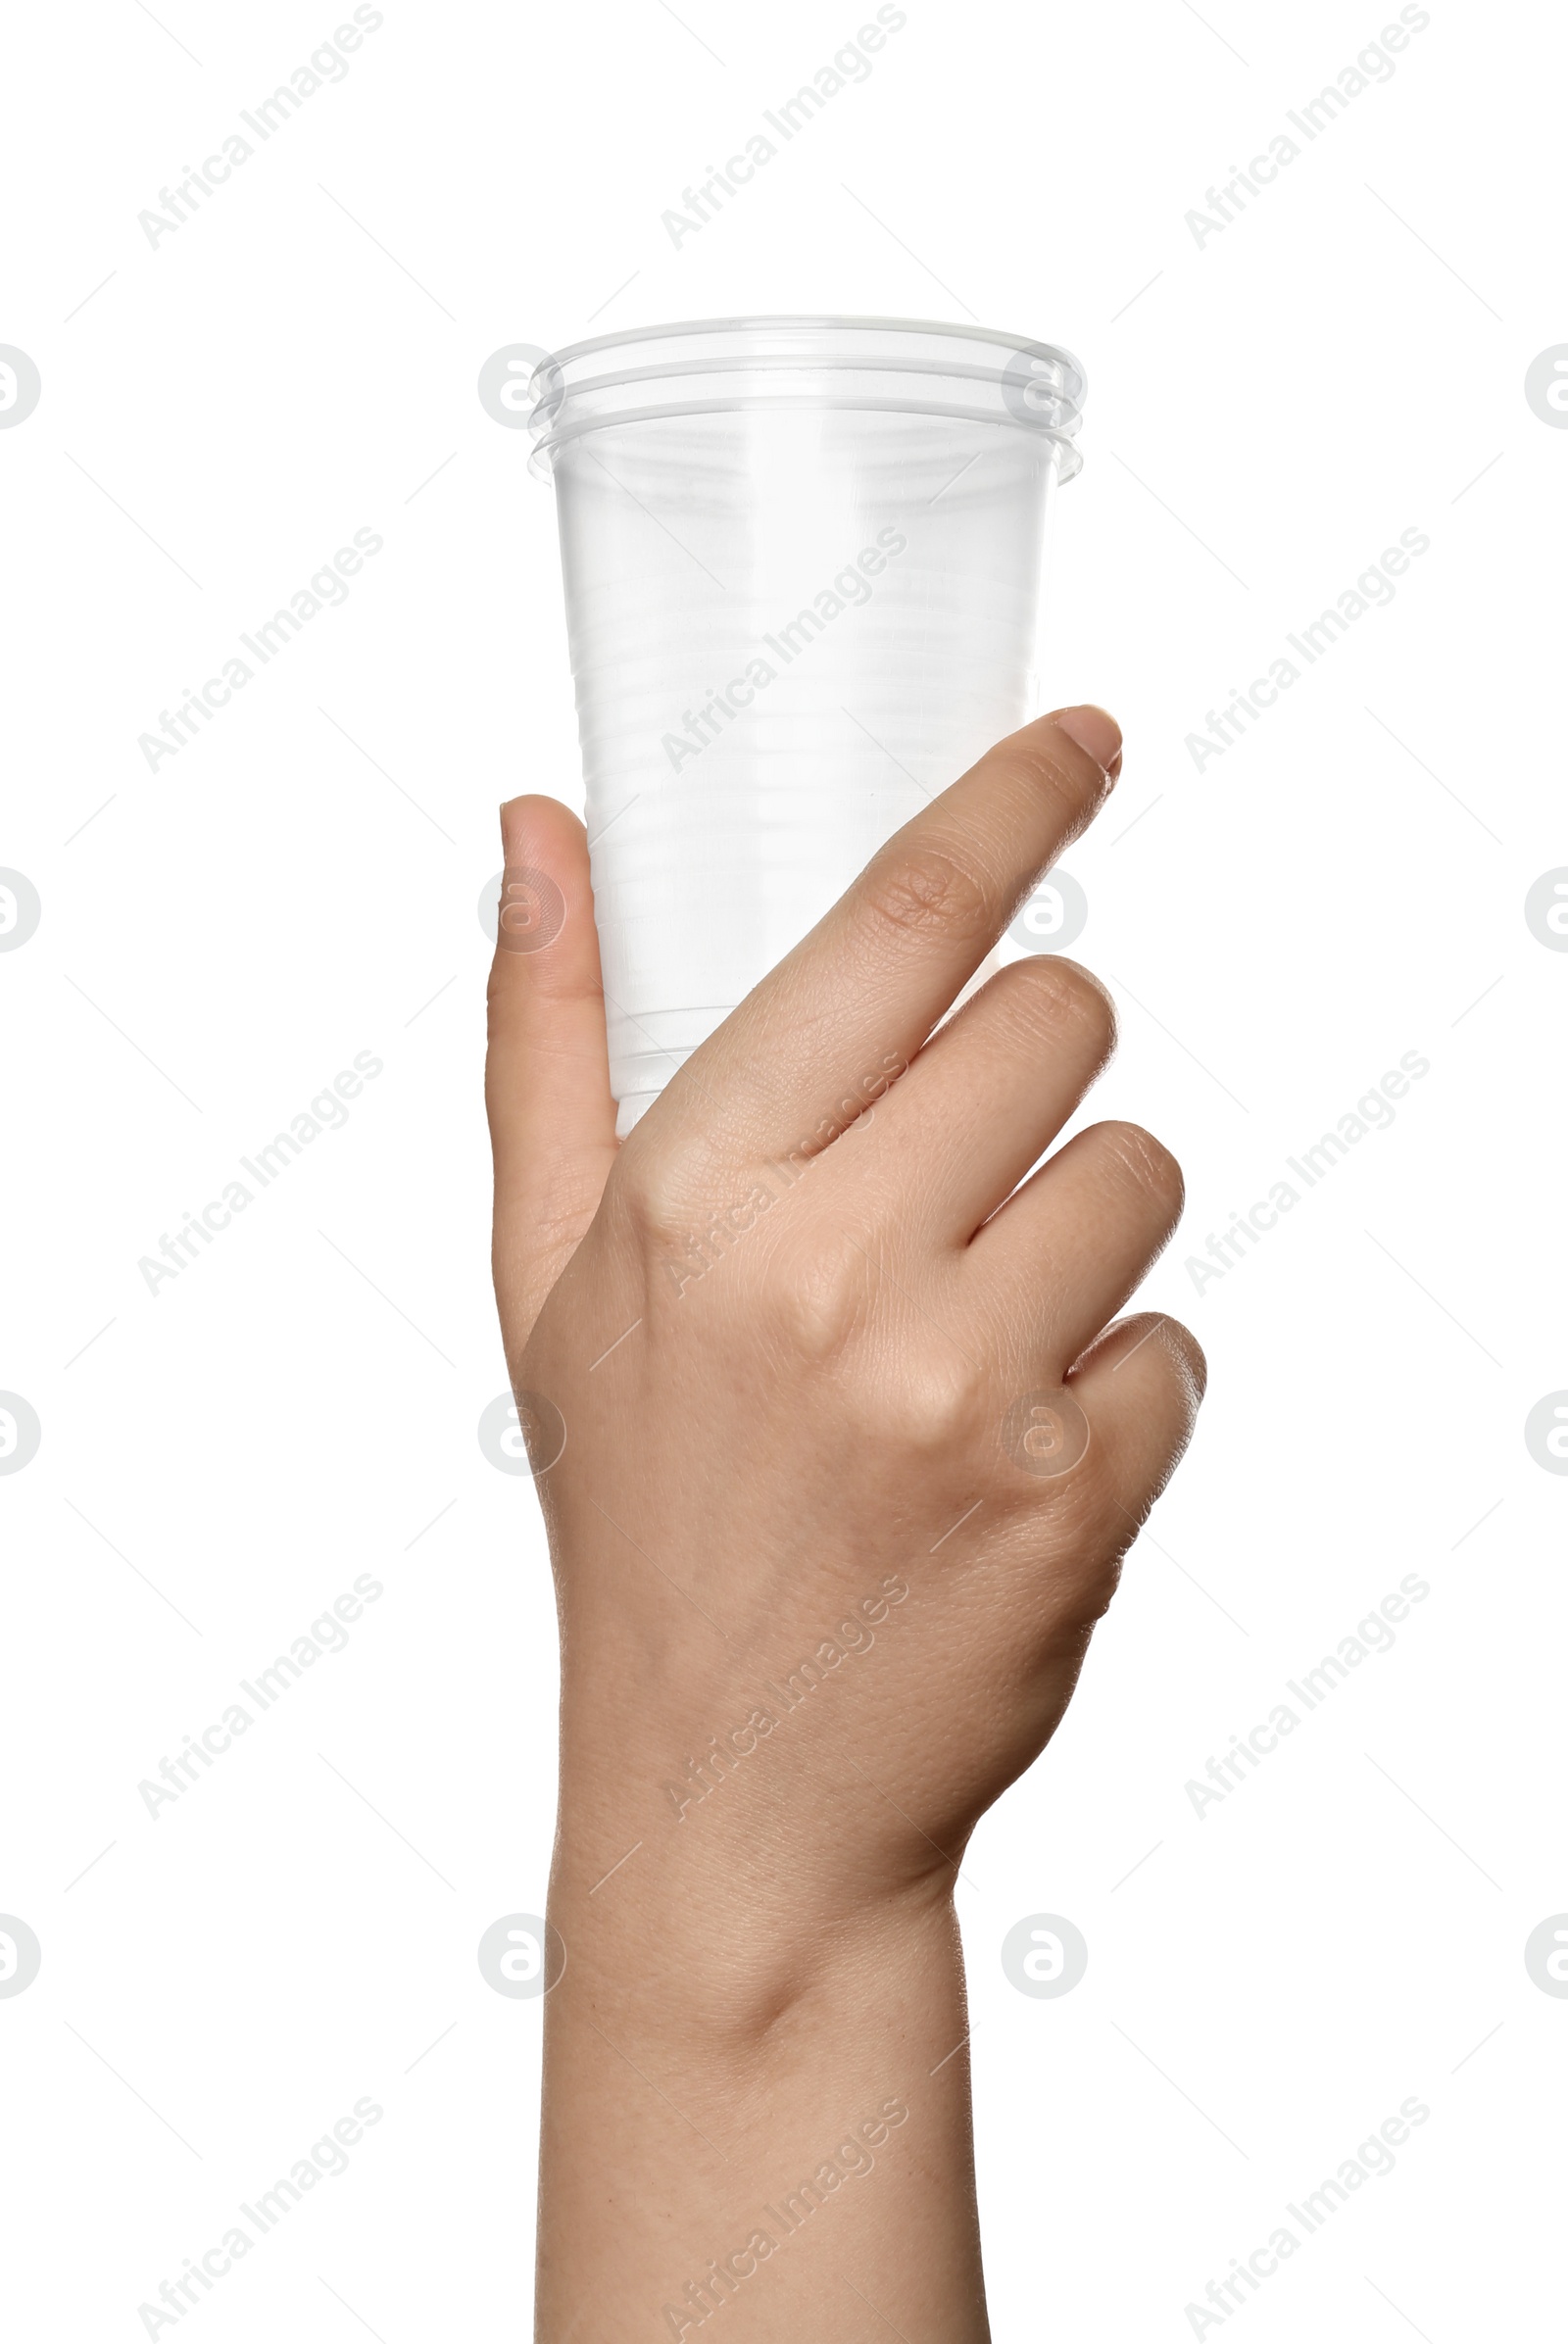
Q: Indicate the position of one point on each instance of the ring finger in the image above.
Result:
(1080, 1237)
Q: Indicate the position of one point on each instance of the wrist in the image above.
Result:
(791, 2107)
(737, 1931)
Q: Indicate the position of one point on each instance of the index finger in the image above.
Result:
(858, 997)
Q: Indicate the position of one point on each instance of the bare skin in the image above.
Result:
(854, 1444)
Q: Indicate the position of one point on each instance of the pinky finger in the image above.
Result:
(1140, 1384)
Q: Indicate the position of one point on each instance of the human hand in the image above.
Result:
(852, 1451)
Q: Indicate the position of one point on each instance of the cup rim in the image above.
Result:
(761, 319)
(555, 429)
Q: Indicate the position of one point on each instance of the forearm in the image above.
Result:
(756, 2099)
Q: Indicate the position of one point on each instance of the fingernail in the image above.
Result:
(1096, 731)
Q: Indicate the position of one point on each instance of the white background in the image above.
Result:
(1267, 411)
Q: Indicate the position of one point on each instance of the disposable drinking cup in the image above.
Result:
(803, 561)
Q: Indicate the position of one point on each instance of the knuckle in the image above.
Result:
(1083, 1590)
(818, 1297)
(929, 891)
(932, 1408)
(657, 1194)
(1142, 1163)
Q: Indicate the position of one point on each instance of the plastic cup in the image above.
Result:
(803, 561)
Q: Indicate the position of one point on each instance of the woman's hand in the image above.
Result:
(839, 1452)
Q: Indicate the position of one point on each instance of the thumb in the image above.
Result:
(547, 1071)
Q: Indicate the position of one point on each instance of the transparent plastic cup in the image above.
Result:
(803, 564)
